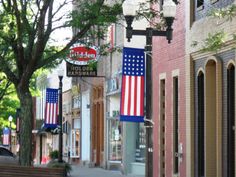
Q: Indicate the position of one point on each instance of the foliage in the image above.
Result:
(228, 12)
(150, 11)
(215, 41)
(54, 154)
(8, 102)
(56, 164)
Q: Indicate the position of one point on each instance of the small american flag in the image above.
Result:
(133, 80)
(6, 136)
(51, 108)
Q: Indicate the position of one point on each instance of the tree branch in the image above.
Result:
(20, 50)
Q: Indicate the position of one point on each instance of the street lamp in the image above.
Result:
(10, 118)
(60, 73)
(130, 8)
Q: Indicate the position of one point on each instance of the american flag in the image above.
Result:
(6, 136)
(51, 108)
(133, 81)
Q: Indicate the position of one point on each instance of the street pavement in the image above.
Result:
(84, 171)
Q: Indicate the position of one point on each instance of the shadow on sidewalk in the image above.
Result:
(83, 171)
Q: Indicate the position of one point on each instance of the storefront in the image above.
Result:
(134, 148)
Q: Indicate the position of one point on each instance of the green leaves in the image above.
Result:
(228, 12)
(214, 41)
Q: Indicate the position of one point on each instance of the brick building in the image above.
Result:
(169, 135)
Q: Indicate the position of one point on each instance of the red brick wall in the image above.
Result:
(166, 58)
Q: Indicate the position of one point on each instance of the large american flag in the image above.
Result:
(51, 108)
(6, 136)
(133, 81)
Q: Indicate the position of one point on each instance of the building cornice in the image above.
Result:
(229, 45)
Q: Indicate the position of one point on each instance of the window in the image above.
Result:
(75, 144)
(230, 120)
(115, 153)
(76, 102)
(65, 127)
(162, 129)
(200, 4)
(200, 127)
(140, 144)
(175, 124)
(76, 123)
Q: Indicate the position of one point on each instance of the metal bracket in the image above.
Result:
(149, 53)
(149, 121)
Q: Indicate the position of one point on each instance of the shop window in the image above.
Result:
(140, 144)
(75, 144)
(175, 124)
(115, 151)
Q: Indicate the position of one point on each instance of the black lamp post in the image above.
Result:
(130, 8)
(10, 118)
(60, 76)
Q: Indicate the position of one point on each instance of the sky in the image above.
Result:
(62, 34)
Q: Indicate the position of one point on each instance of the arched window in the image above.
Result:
(230, 120)
(200, 125)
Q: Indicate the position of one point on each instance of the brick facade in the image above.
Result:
(168, 62)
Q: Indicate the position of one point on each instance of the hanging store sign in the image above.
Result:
(80, 70)
(81, 61)
(82, 55)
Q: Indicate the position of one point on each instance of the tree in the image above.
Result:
(26, 31)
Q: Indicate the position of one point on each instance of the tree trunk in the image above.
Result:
(26, 114)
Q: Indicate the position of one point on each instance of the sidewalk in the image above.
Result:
(83, 171)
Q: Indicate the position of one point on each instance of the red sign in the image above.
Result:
(81, 55)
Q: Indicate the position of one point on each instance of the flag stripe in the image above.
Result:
(123, 94)
(138, 96)
(129, 96)
(142, 97)
(126, 95)
(135, 95)
(132, 95)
